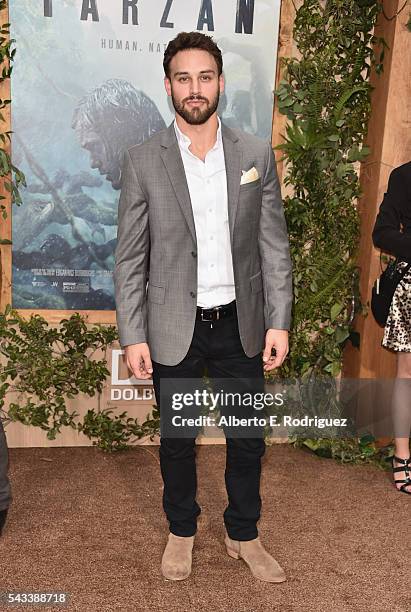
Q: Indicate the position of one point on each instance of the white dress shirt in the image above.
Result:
(207, 185)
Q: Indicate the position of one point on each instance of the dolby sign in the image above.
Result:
(125, 387)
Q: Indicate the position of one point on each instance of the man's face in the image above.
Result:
(194, 85)
(100, 157)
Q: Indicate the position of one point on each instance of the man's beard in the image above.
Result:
(196, 116)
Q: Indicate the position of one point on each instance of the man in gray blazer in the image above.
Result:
(201, 219)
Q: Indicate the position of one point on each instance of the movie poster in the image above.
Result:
(87, 84)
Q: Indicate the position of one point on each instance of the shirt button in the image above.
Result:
(211, 237)
(192, 294)
(210, 210)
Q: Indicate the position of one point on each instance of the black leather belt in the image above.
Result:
(216, 313)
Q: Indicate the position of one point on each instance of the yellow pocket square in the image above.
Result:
(249, 176)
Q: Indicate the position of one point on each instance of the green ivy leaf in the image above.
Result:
(341, 334)
(335, 311)
(286, 102)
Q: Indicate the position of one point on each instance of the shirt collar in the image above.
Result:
(184, 141)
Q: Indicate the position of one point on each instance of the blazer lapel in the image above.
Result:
(175, 169)
(233, 159)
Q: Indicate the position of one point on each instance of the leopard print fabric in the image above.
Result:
(397, 330)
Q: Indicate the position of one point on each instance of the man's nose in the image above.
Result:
(195, 87)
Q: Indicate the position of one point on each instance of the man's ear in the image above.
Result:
(167, 85)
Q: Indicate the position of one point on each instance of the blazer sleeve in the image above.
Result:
(387, 234)
(131, 258)
(274, 250)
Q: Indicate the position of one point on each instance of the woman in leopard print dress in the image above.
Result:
(392, 233)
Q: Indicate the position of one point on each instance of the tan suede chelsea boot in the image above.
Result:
(176, 561)
(262, 565)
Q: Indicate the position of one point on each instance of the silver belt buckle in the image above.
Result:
(202, 315)
(218, 312)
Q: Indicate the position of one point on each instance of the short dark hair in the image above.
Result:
(191, 40)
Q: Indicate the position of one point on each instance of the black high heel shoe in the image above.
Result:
(404, 466)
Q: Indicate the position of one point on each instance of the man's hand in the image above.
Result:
(275, 339)
(138, 360)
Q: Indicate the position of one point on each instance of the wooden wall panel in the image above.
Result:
(55, 316)
(5, 225)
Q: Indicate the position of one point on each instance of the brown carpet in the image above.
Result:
(91, 524)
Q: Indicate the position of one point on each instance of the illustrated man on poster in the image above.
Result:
(201, 214)
(109, 119)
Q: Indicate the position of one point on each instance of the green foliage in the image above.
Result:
(326, 97)
(43, 366)
(118, 432)
(12, 177)
(348, 450)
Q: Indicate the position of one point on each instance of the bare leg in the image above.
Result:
(401, 411)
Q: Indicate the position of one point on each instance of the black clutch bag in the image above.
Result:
(384, 289)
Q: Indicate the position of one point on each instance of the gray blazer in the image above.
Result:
(156, 238)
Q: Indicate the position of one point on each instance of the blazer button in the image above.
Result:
(192, 294)
(193, 253)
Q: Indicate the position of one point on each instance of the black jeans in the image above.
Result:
(218, 348)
